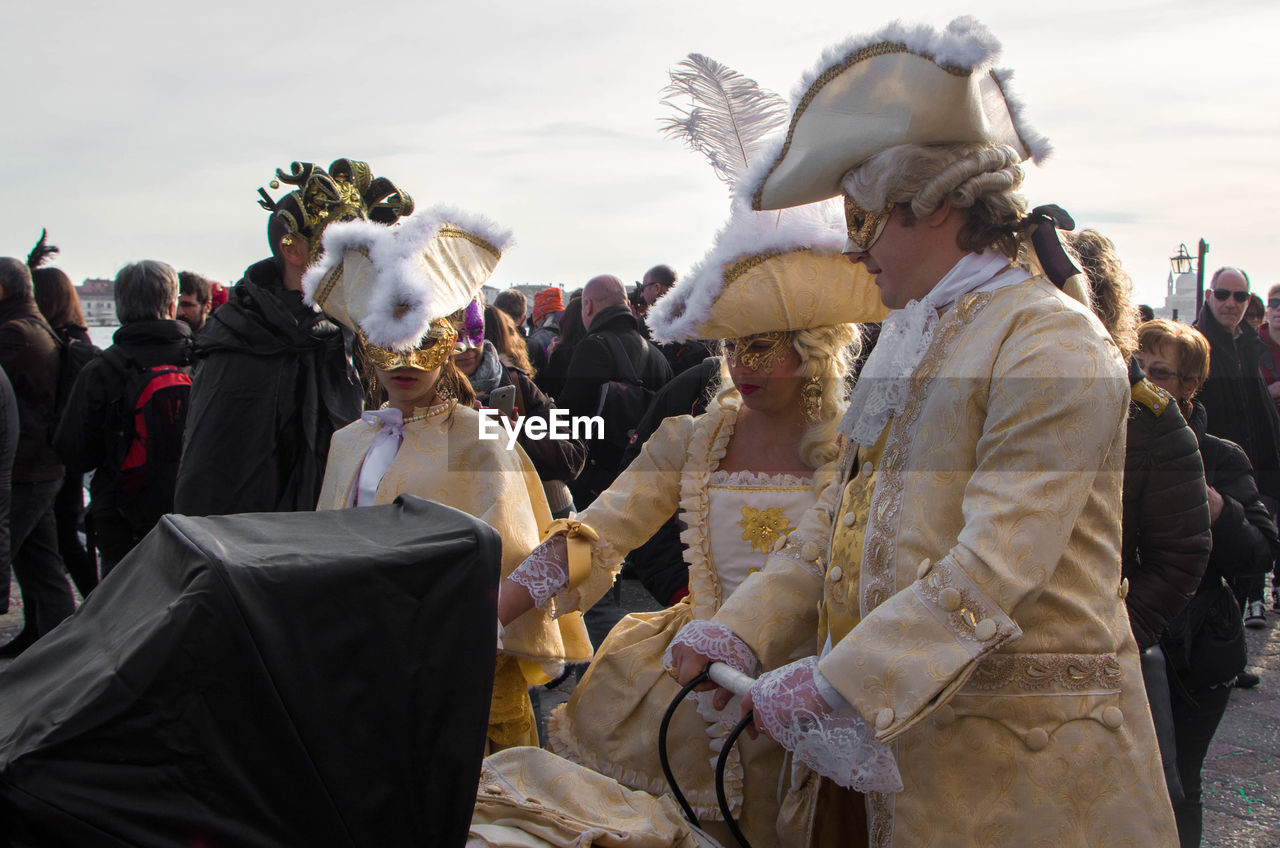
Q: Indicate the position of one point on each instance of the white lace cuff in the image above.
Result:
(836, 743)
(716, 642)
(545, 572)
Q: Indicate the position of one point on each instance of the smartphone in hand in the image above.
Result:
(503, 399)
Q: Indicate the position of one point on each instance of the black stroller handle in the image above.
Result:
(738, 683)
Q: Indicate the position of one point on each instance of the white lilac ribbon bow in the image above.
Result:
(386, 444)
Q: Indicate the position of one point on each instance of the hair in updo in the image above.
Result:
(826, 353)
(977, 177)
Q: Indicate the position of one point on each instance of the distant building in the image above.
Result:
(98, 300)
(1179, 299)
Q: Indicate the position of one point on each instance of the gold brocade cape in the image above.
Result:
(443, 460)
(966, 575)
(610, 724)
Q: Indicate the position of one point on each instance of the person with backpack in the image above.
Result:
(29, 354)
(614, 373)
(127, 410)
(60, 305)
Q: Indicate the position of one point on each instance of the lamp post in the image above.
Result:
(1182, 264)
(1204, 248)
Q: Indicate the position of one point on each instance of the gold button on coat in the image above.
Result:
(884, 718)
(836, 573)
(949, 599)
(1113, 717)
(1037, 739)
(985, 630)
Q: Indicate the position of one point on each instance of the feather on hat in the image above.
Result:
(764, 272)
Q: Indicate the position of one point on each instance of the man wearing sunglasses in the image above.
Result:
(1238, 405)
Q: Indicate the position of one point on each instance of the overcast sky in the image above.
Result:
(141, 130)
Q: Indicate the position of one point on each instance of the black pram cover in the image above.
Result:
(263, 680)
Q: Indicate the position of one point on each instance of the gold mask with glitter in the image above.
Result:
(750, 352)
(862, 225)
(433, 351)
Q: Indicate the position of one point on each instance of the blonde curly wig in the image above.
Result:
(827, 353)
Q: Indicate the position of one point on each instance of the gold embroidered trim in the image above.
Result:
(880, 815)
(1022, 673)
(736, 269)
(450, 231)
(878, 576)
(883, 48)
(964, 618)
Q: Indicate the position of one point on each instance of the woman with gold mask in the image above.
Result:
(742, 474)
(397, 289)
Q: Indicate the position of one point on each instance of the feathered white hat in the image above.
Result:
(901, 85)
(764, 272)
(391, 283)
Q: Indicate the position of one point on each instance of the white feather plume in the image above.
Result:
(728, 117)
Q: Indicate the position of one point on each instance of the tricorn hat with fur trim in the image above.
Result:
(901, 85)
(391, 283)
(767, 273)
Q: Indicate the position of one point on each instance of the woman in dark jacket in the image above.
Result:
(1204, 645)
(557, 461)
(60, 305)
(572, 331)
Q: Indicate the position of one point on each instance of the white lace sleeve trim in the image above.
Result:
(545, 573)
(717, 642)
(837, 743)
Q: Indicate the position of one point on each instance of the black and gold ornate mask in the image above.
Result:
(431, 353)
(863, 226)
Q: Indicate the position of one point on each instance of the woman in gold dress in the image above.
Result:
(395, 287)
(742, 474)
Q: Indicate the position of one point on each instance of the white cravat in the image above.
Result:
(906, 334)
(386, 444)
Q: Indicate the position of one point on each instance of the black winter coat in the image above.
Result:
(274, 380)
(1205, 643)
(554, 459)
(592, 364)
(1236, 400)
(90, 432)
(1166, 535)
(29, 355)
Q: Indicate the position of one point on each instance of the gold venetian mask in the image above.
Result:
(432, 352)
(863, 226)
(761, 352)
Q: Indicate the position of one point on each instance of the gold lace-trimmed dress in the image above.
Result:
(442, 459)
(610, 724)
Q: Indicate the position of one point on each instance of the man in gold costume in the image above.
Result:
(964, 580)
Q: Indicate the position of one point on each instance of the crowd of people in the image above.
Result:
(984, 537)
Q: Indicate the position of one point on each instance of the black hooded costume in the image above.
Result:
(274, 379)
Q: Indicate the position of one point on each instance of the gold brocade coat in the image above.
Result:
(966, 580)
(442, 459)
